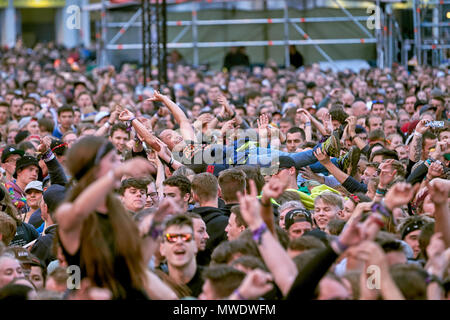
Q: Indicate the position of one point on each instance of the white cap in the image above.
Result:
(34, 185)
(99, 116)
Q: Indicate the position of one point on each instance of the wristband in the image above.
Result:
(341, 247)
(107, 124)
(257, 234)
(155, 231)
(381, 191)
(129, 123)
(171, 161)
(383, 210)
(418, 134)
(48, 156)
(308, 124)
(239, 295)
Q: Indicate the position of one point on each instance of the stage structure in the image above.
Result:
(431, 31)
(150, 17)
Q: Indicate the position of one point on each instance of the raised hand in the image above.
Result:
(273, 189)
(439, 190)
(305, 116)
(321, 156)
(387, 173)
(136, 167)
(222, 100)
(351, 125)
(327, 123)
(256, 284)
(263, 123)
(335, 93)
(250, 207)
(44, 145)
(126, 115)
(372, 254)
(400, 194)
(421, 126)
(308, 174)
(157, 96)
(435, 170)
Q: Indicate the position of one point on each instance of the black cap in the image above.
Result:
(54, 196)
(58, 147)
(285, 162)
(27, 161)
(297, 215)
(10, 150)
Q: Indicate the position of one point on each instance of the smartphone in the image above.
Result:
(435, 124)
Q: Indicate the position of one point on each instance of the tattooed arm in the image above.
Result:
(415, 151)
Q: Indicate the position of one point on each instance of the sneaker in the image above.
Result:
(350, 160)
(332, 146)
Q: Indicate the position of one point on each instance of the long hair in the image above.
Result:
(96, 256)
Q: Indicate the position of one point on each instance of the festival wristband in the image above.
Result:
(258, 233)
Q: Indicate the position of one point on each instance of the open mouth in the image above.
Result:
(179, 252)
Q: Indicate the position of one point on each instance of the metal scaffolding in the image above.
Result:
(388, 39)
(431, 32)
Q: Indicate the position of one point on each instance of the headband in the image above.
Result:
(106, 147)
(410, 227)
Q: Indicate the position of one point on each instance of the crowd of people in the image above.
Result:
(262, 183)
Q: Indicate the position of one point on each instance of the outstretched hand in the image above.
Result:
(322, 156)
(250, 207)
(256, 284)
(400, 194)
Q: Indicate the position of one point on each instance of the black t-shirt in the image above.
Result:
(121, 271)
(196, 283)
(25, 233)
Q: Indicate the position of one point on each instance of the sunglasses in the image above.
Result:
(172, 237)
(377, 101)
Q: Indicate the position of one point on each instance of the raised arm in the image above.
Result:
(187, 131)
(103, 130)
(142, 131)
(71, 215)
(352, 133)
(415, 149)
(373, 255)
(439, 190)
(271, 190)
(324, 159)
(55, 170)
(276, 258)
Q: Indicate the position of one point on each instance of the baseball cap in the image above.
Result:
(99, 116)
(297, 215)
(285, 162)
(34, 185)
(54, 196)
(10, 150)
